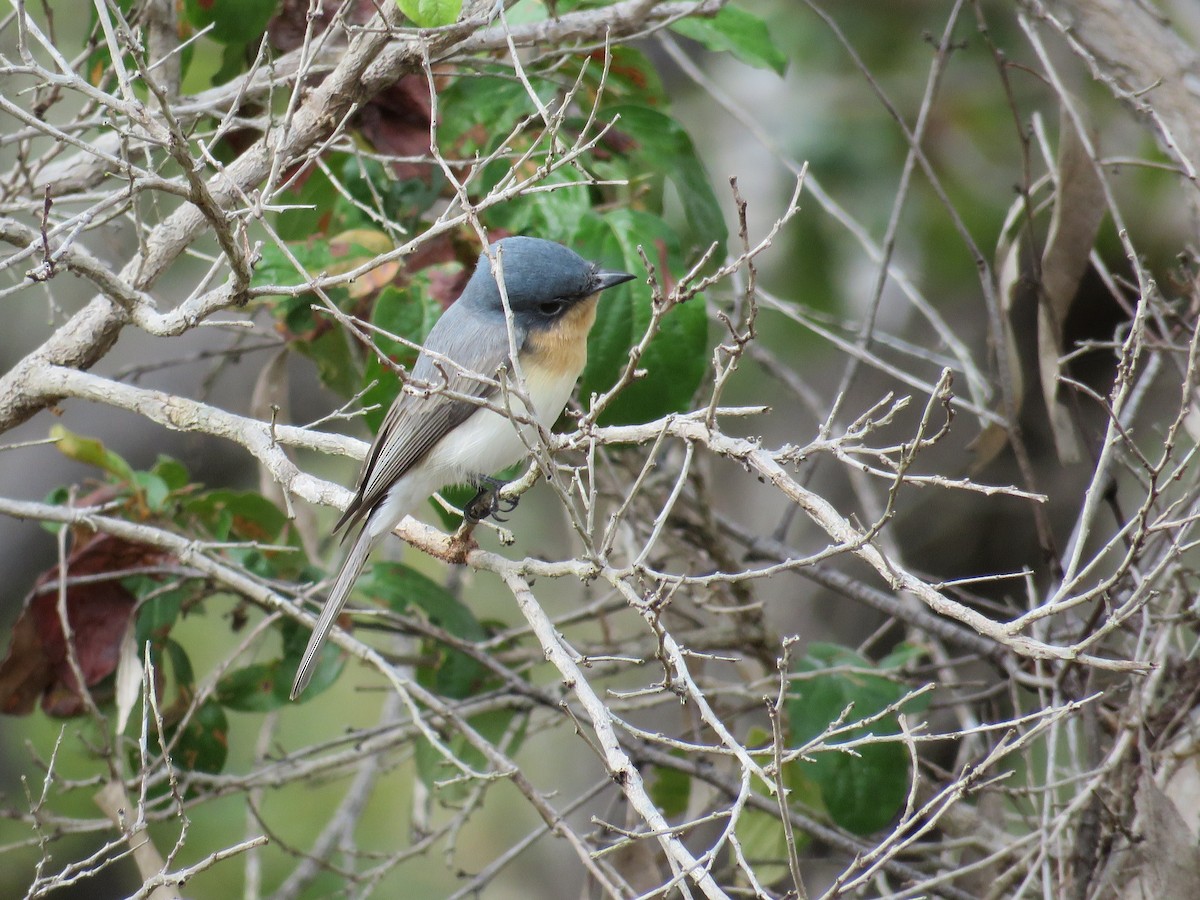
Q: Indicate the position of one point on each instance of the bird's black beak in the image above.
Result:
(604, 279)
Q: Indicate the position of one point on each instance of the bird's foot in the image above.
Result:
(487, 502)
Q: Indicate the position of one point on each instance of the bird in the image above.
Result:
(433, 437)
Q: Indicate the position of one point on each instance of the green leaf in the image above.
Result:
(57, 497)
(736, 31)
(371, 185)
(233, 60)
(203, 743)
(676, 357)
(901, 657)
(91, 452)
(99, 64)
(234, 21)
(671, 790)
(251, 688)
(316, 191)
(764, 841)
(554, 214)
(431, 13)
(336, 364)
(157, 616)
(382, 386)
(267, 686)
(632, 76)
(410, 314)
(451, 673)
(154, 489)
(173, 473)
(658, 146)
(247, 516)
(181, 666)
(326, 671)
(432, 766)
(402, 586)
(862, 791)
(238, 515)
(477, 111)
(318, 337)
(276, 269)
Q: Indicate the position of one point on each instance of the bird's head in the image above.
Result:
(543, 280)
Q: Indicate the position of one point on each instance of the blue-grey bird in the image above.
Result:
(430, 439)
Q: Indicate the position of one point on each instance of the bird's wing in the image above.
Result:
(416, 422)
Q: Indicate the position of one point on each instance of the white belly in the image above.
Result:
(482, 445)
(489, 441)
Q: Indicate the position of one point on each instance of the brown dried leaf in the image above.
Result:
(291, 24)
(1191, 419)
(396, 122)
(445, 284)
(99, 613)
(1079, 207)
(1010, 286)
(356, 247)
(1170, 860)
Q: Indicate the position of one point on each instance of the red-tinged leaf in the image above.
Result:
(37, 665)
(396, 122)
(452, 262)
(444, 249)
(25, 672)
(290, 26)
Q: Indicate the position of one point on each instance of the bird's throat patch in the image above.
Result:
(561, 347)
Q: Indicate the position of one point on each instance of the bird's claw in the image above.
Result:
(488, 503)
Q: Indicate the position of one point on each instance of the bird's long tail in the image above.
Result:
(349, 573)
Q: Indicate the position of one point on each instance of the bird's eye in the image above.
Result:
(551, 307)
